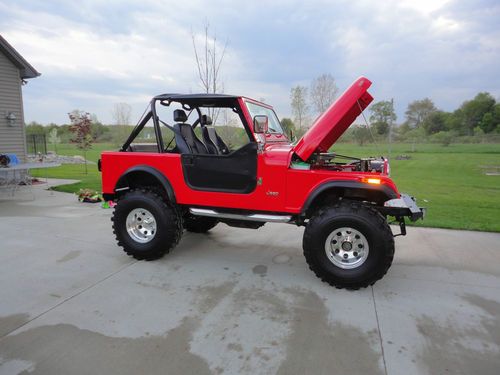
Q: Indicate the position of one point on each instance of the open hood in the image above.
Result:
(335, 120)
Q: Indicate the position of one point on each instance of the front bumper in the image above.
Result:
(403, 206)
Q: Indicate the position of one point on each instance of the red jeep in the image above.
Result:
(189, 175)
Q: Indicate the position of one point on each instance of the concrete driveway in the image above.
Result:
(235, 301)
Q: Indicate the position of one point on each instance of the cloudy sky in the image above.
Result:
(95, 53)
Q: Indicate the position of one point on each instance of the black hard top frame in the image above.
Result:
(199, 100)
(180, 97)
(188, 102)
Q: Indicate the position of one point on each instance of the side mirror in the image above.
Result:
(260, 124)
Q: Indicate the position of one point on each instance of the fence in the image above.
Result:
(36, 143)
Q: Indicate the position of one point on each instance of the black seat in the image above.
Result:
(186, 140)
(213, 143)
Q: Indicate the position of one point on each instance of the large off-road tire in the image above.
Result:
(199, 224)
(145, 225)
(348, 245)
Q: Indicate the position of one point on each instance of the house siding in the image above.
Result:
(12, 138)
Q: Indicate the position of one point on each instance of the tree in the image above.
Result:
(287, 125)
(417, 112)
(382, 116)
(455, 121)
(474, 110)
(54, 139)
(491, 120)
(435, 122)
(34, 128)
(81, 129)
(64, 133)
(415, 136)
(208, 62)
(50, 126)
(99, 132)
(298, 95)
(232, 131)
(323, 92)
(444, 138)
(121, 114)
(361, 134)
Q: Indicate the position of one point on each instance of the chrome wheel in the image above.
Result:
(141, 225)
(347, 248)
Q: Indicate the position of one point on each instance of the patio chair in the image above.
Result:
(14, 160)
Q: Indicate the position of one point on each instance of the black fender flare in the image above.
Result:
(160, 177)
(382, 190)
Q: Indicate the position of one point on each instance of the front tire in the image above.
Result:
(145, 226)
(348, 245)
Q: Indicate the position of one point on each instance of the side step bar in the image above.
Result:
(249, 217)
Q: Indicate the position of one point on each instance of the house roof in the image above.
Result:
(25, 69)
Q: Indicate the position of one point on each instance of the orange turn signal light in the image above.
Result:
(373, 181)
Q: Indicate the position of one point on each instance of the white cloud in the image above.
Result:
(93, 53)
(155, 55)
(60, 46)
(423, 6)
(444, 24)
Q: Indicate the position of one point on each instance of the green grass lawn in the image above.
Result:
(90, 180)
(449, 181)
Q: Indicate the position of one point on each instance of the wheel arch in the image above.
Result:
(144, 175)
(333, 190)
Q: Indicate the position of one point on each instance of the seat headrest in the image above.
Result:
(180, 116)
(206, 120)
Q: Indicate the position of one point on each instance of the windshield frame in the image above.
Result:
(269, 112)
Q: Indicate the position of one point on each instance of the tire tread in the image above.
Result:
(173, 216)
(345, 206)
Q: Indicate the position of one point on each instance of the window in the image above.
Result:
(147, 134)
(144, 141)
(226, 121)
(229, 126)
(256, 109)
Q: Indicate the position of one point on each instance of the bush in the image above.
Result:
(442, 137)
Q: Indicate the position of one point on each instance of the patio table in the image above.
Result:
(18, 175)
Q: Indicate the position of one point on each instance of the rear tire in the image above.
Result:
(145, 226)
(199, 224)
(348, 245)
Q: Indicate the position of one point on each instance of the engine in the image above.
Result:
(337, 162)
